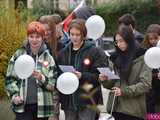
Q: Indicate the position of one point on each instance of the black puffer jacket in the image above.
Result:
(89, 72)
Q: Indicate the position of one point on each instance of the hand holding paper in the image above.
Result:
(103, 77)
(106, 71)
(67, 68)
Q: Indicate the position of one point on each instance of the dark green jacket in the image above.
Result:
(89, 72)
(132, 102)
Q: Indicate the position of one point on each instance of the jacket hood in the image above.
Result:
(139, 52)
(87, 44)
(26, 46)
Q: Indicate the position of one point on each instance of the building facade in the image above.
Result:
(69, 4)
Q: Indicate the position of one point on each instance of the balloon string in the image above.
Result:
(36, 68)
(36, 62)
(25, 90)
(96, 43)
(21, 89)
(114, 97)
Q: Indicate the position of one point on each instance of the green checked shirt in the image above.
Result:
(46, 65)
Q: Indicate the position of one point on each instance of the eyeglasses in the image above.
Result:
(118, 42)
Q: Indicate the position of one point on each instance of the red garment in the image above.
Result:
(67, 21)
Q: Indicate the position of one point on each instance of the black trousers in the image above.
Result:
(29, 114)
(121, 116)
(150, 101)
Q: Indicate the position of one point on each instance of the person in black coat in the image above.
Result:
(129, 20)
(85, 58)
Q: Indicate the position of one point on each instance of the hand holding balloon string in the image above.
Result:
(117, 91)
(38, 75)
(17, 100)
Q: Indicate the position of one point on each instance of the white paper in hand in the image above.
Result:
(106, 71)
(67, 68)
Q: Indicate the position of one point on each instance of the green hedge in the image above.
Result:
(45, 8)
(145, 12)
(12, 32)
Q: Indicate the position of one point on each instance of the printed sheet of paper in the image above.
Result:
(106, 71)
(67, 68)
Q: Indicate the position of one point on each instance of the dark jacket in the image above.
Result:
(156, 83)
(89, 72)
(138, 36)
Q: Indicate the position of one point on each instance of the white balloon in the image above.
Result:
(95, 27)
(67, 83)
(152, 57)
(158, 44)
(106, 116)
(24, 66)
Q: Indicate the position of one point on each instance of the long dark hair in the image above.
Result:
(127, 34)
(124, 59)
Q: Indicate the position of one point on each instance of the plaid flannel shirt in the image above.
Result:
(44, 96)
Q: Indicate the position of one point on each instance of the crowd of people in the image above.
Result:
(136, 93)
